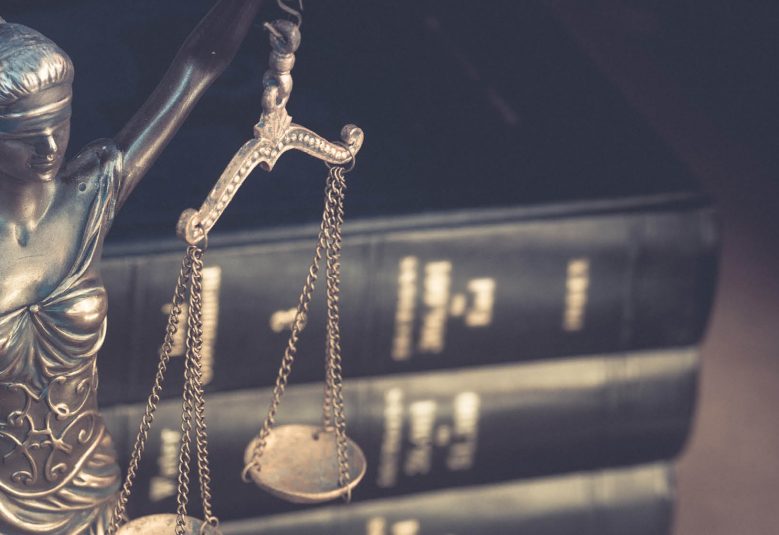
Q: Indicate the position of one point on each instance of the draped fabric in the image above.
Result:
(83, 506)
(58, 473)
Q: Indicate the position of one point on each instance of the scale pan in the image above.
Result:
(164, 524)
(300, 464)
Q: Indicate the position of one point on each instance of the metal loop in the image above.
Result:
(271, 29)
(119, 515)
(352, 161)
(210, 523)
(292, 11)
(246, 469)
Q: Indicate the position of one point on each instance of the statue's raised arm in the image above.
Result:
(202, 58)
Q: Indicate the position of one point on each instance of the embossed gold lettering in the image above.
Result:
(577, 284)
(406, 309)
(462, 453)
(421, 422)
(436, 300)
(391, 439)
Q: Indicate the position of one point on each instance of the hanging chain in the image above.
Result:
(327, 405)
(329, 221)
(119, 515)
(329, 232)
(182, 494)
(334, 376)
(194, 362)
(301, 316)
(193, 402)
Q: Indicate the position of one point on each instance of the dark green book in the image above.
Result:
(434, 292)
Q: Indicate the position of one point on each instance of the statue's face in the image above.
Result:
(34, 133)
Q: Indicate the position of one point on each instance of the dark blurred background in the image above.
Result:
(704, 76)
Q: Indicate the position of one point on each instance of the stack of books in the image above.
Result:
(527, 271)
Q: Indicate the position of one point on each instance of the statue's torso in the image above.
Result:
(32, 269)
(52, 323)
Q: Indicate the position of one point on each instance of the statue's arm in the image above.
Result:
(204, 55)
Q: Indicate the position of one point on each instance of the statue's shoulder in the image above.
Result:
(93, 178)
(97, 161)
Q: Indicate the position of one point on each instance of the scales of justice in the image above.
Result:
(58, 473)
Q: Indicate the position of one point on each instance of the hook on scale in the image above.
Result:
(292, 11)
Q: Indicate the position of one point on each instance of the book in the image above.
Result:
(460, 290)
(636, 501)
(436, 430)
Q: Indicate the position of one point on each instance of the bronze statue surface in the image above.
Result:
(58, 473)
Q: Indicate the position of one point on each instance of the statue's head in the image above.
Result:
(36, 77)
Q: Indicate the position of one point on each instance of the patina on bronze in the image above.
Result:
(58, 473)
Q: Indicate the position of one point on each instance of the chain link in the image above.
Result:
(194, 350)
(193, 401)
(182, 494)
(327, 405)
(192, 393)
(119, 515)
(334, 367)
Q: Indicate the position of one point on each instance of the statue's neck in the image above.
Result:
(24, 204)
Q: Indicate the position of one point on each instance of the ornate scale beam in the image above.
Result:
(274, 134)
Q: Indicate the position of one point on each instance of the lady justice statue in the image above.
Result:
(58, 472)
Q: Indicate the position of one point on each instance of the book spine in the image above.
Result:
(443, 429)
(443, 297)
(635, 501)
